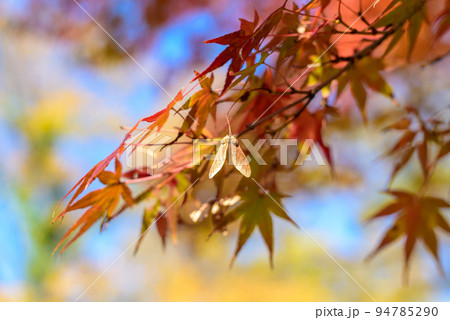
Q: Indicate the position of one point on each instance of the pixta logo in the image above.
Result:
(151, 152)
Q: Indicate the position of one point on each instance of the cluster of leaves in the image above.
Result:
(278, 70)
(416, 218)
(419, 135)
(102, 203)
(416, 215)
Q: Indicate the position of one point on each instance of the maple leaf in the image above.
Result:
(165, 220)
(309, 126)
(369, 71)
(296, 39)
(87, 179)
(408, 143)
(414, 10)
(159, 118)
(260, 100)
(249, 72)
(254, 210)
(395, 39)
(404, 148)
(201, 104)
(417, 217)
(365, 72)
(241, 43)
(100, 203)
(443, 151)
(153, 215)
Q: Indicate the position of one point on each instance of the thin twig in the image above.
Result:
(366, 51)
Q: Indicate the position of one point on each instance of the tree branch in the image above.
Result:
(311, 94)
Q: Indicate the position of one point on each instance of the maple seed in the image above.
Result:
(237, 157)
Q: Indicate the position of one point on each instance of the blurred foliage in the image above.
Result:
(196, 270)
(133, 24)
(39, 177)
(298, 41)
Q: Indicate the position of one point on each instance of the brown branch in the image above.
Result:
(361, 54)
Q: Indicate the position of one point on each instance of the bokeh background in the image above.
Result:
(65, 90)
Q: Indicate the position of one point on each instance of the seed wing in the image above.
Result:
(200, 213)
(239, 159)
(219, 159)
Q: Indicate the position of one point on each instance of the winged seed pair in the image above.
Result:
(238, 157)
